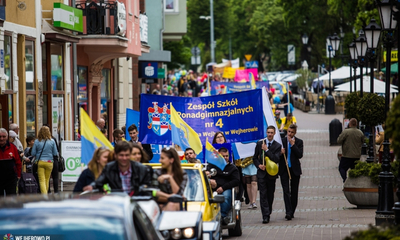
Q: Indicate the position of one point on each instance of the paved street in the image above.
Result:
(323, 212)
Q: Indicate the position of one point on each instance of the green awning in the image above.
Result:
(393, 68)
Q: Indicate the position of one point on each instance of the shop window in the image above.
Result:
(44, 110)
(8, 61)
(105, 93)
(82, 87)
(57, 81)
(30, 64)
(10, 108)
(30, 114)
(57, 113)
(44, 67)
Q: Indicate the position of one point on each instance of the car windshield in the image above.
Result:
(64, 227)
(194, 188)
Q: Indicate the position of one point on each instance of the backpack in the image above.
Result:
(27, 184)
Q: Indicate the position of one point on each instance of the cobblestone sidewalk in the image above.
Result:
(323, 212)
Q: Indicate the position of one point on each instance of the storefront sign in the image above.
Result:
(67, 17)
(161, 73)
(144, 28)
(148, 70)
(2, 58)
(71, 151)
(150, 81)
(121, 19)
(393, 56)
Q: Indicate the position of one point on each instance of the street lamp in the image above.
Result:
(334, 42)
(211, 18)
(372, 35)
(304, 38)
(354, 64)
(384, 213)
(361, 47)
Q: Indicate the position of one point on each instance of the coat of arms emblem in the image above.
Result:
(159, 119)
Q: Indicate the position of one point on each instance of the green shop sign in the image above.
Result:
(161, 73)
(67, 17)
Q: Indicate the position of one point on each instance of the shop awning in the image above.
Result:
(56, 34)
(393, 68)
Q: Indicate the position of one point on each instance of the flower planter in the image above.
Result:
(362, 192)
(307, 108)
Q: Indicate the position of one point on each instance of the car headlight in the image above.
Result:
(188, 233)
(176, 233)
(165, 234)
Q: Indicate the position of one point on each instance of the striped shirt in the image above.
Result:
(126, 180)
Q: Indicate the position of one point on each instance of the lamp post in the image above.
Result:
(361, 47)
(372, 35)
(304, 39)
(384, 213)
(211, 18)
(396, 14)
(334, 42)
(354, 64)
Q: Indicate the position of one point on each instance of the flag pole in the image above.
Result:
(287, 166)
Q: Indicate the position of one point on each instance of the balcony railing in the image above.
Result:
(99, 17)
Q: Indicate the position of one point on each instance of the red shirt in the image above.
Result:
(10, 152)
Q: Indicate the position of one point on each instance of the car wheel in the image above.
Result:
(237, 231)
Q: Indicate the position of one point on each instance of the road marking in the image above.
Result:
(306, 226)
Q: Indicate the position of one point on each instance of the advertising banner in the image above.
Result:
(238, 115)
(232, 87)
(243, 75)
(71, 151)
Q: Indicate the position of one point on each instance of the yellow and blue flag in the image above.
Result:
(214, 157)
(252, 81)
(91, 138)
(182, 134)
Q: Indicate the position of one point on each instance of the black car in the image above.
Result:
(70, 217)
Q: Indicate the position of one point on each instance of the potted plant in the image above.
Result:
(373, 232)
(361, 186)
(307, 107)
(351, 105)
(371, 112)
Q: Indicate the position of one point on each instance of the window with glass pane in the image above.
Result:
(44, 110)
(82, 87)
(57, 81)
(30, 114)
(8, 61)
(44, 67)
(10, 108)
(57, 113)
(105, 91)
(30, 64)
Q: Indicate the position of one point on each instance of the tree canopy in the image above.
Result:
(264, 28)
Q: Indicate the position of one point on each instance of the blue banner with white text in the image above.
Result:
(238, 115)
(232, 87)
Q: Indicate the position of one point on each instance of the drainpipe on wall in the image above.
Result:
(75, 84)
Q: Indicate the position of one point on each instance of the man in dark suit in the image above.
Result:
(266, 182)
(133, 133)
(293, 150)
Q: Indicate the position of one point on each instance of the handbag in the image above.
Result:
(37, 160)
(59, 159)
(61, 164)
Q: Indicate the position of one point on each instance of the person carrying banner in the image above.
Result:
(219, 138)
(223, 182)
(266, 182)
(290, 170)
(133, 133)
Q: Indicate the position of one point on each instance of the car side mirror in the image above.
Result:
(217, 199)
